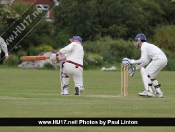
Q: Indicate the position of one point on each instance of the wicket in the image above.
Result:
(124, 80)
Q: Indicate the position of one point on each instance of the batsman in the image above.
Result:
(72, 64)
(149, 52)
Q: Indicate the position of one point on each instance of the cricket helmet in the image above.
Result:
(139, 38)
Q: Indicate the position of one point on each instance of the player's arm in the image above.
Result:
(63, 51)
(67, 49)
(62, 58)
(144, 59)
(57, 57)
(141, 61)
(4, 48)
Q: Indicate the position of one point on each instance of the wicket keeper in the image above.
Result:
(149, 52)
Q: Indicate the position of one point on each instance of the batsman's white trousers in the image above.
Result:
(156, 66)
(76, 73)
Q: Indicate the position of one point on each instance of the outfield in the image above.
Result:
(36, 93)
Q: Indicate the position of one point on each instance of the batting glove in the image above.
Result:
(132, 71)
(53, 57)
(126, 62)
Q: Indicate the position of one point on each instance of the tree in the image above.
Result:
(118, 19)
(168, 8)
(24, 26)
(165, 38)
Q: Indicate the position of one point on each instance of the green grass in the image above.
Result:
(36, 93)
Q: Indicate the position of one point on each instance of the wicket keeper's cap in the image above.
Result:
(77, 38)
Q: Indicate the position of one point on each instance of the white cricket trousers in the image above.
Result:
(76, 73)
(156, 66)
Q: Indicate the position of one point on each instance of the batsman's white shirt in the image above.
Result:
(74, 52)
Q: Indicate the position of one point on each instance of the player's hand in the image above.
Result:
(132, 71)
(126, 62)
(6, 57)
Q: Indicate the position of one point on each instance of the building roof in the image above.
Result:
(31, 1)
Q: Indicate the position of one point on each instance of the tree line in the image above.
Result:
(92, 20)
(115, 18)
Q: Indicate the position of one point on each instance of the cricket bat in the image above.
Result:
(33, 58)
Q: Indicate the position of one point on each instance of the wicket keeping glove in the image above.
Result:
(132, 71)
(126, 62)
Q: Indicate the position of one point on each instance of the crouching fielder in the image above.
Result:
(73, 55)
(149, 52)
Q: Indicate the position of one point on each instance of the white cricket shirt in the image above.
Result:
(148, 52)
(74, 52)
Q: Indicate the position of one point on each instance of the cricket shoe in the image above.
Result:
(77, 91)
(150, 94)
(146, 93)
(159, 95)
(65, 91)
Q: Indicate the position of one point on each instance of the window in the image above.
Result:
(6, 1)
(45, 8)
